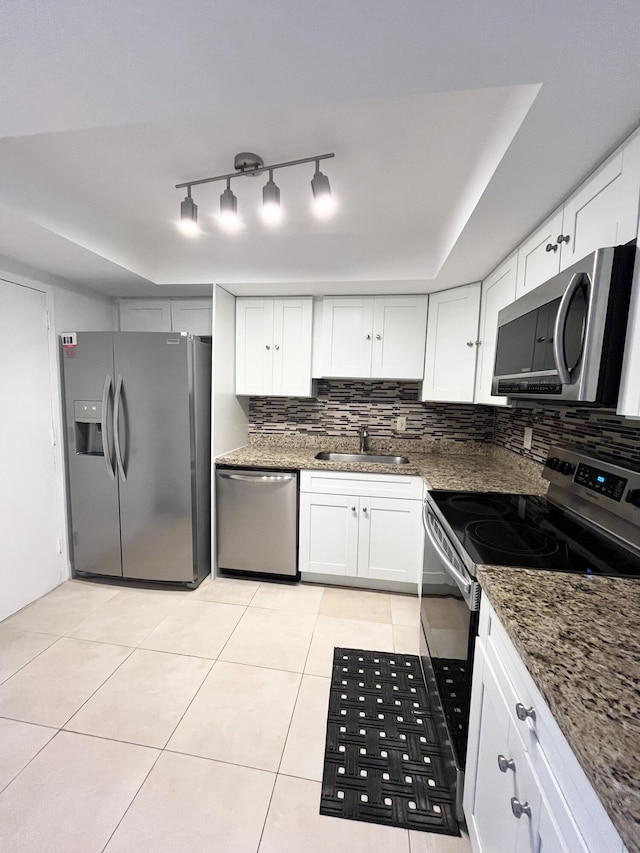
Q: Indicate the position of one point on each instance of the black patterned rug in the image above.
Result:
(386, 760)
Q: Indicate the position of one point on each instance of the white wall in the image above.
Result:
(70, 308)
(229, 415)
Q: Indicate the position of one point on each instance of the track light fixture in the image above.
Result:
(247, 163)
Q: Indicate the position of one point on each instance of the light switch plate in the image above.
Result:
(401, 423)
(528, 438)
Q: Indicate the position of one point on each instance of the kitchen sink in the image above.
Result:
(327, 456)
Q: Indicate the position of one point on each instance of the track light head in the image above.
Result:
(189, 217)
(229, 210)
(323, 202)
(271, 210)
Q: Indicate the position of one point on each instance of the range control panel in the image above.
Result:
(600, 480)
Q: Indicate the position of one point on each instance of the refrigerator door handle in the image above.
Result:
(106, 393)
(116, 429)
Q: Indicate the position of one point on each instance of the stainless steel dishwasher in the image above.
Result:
(257, 521)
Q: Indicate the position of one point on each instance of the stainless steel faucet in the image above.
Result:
(364, 439)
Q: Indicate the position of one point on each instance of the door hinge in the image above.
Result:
(59, 544)
(48, 319)
(54, 439)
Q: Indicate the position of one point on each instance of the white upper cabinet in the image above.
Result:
(273, 346)
(191, 315)
(452, 336)
(498, 291)
(145, 315)
(373, 337)
(539, 255)
(602, 212)
(166, 315)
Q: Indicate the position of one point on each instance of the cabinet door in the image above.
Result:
(292, 328)
(328, 534)
(390, 539)
(399, 330)
(254, 346)
(145, 315)
(450, 357)
(347, 328)
(536, 261)
(498, 291)
(604, 211)
(191, 315)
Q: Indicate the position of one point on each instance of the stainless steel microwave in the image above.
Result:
(565, 339)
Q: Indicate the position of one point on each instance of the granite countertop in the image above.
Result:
(579, 638)
(465, 466)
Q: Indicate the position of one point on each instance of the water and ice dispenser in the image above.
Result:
(88, 427)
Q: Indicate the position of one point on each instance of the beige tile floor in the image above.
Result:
(174, 721)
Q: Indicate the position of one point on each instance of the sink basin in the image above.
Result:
(326, 456)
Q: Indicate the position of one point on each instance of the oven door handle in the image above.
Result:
(463, 583)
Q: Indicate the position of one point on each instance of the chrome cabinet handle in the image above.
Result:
(519, 808)
(522, 713)
(116, 429)
(563, 238)
(505, 764)
(106, 393)
(551, 247)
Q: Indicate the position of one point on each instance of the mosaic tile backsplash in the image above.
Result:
(340, 407)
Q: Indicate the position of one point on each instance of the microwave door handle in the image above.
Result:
(460, 579)
(559, 328)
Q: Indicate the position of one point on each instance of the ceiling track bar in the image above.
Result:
(255, 171)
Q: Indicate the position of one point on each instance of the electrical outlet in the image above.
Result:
(401, 424)
(528, 438)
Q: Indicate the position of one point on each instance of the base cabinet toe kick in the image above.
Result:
(525, 791)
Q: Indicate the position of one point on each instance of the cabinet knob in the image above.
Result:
(267, 346)
(505, 764)
(469, 343)
(353, 509)
(551, 247)
(478, 343)
(378, 337)
(563, 238)
(541, 339)
(522, 713)
(368, 337)
(277, 346)
(364, 509)
(519, 808)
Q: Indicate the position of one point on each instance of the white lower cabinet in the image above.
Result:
(351, 525)
(524, 790)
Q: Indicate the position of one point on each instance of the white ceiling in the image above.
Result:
(456, 128)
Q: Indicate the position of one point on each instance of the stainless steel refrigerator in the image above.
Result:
(137, 411)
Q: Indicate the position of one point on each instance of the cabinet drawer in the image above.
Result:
(366, 485)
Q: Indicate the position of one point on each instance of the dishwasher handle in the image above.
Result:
(257, 477)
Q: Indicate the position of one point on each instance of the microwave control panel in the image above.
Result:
(512, 386)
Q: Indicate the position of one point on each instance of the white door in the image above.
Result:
(399, 330)
(604, 211)
(328, 534)
(292, 329)
(191, 315)
(30, 562)
(498, 291)
(347, 330)
(539, 255)
(390, 543)
(145, 315)
(254, 346)
(450, 357)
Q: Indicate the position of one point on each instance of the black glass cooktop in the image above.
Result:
(529, 531)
